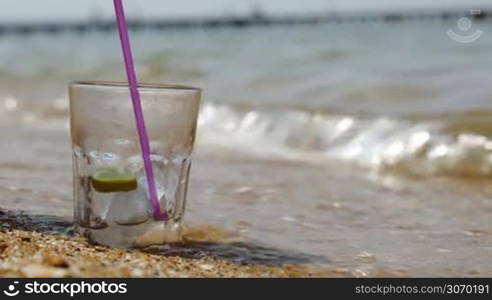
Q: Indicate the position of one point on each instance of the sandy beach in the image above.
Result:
(31, 254)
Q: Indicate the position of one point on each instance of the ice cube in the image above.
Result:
(166, 177)
(130, 208)
(134, 164)
(167, 173)
(99, 160)
(101, 203)
(171, 175)
(105, 158)
(98, 206)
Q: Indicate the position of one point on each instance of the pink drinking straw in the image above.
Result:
(137, 108)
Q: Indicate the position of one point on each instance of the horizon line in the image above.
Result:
(253, 19)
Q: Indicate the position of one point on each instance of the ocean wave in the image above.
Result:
(418, 145)
(421, 146)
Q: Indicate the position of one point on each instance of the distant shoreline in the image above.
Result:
(253, 20)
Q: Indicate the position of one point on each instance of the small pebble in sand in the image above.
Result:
(34, 270)
(207, 267)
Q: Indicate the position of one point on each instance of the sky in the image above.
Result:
(33, 10)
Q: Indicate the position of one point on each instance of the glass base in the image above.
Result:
(133, 236)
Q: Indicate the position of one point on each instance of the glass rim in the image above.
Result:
(123, 84)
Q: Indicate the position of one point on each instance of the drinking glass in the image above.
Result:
(111, 200)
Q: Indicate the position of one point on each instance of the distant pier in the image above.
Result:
(234, 22)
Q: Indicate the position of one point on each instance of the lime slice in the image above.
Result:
(112, 181)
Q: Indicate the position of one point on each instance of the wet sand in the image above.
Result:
(25, 253)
